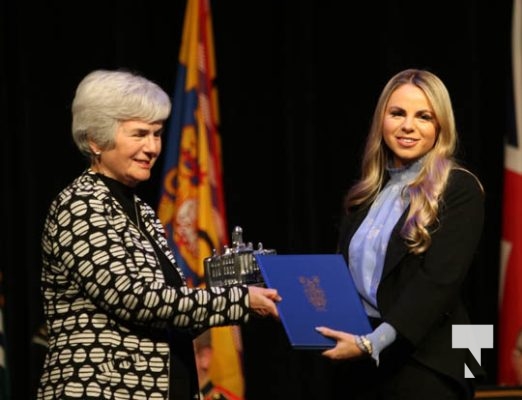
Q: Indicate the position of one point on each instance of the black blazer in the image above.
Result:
(420, 295)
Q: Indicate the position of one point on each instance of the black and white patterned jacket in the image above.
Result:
(106, 302)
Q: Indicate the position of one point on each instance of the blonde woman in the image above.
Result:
(412, 225)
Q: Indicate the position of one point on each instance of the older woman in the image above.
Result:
(119, 315)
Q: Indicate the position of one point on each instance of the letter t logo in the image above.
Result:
(474, 338)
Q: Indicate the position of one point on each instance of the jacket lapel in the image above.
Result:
(149, 221)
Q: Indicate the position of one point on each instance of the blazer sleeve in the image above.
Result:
(426, 288)
(91, 256)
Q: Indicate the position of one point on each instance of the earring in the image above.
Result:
(97, 153)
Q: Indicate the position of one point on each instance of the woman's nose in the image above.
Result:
(152, 144)
(407, 126)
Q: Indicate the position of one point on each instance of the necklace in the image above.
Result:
(137, 215)
(144, 233)
(170, 271)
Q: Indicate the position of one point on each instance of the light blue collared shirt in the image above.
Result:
(368, 247)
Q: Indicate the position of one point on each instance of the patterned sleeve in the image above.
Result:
(94, 258)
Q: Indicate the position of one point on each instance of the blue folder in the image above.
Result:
(317, 290)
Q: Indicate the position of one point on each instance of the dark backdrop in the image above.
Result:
(297, 85)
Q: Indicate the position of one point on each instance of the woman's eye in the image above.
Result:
(426, 117)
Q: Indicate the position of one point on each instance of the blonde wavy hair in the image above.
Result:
(425, 191)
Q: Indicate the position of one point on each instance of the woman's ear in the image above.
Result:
(95, 149)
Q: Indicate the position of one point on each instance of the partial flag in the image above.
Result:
(191, 205)
(4, 381)
(510, 299)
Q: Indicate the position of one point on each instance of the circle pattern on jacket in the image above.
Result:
(106, 301)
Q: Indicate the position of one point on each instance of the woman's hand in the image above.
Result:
(262, 301)
(345, 347)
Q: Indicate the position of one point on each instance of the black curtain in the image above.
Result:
(297, 84)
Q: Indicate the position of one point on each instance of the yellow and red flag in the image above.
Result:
(192, 206)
